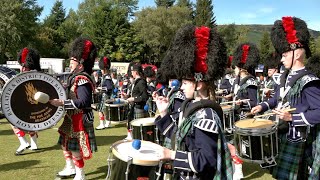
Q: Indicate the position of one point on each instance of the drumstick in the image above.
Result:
(268, 114)
(228, 102)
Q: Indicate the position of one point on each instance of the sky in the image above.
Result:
(237, 11)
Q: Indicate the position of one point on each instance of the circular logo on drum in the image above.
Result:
(22, 109)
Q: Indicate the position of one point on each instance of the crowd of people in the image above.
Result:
(185, 95)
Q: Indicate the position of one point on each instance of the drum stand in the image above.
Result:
(109, 160)
(141, 132)
(157, 137)
(128, 167)
(269, 162)
(159, 171)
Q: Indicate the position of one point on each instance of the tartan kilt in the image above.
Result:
(140, 113)
(73, 144)
(289, 159)
(312, 154)
(102, 104)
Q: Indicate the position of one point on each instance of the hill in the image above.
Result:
(256, 31)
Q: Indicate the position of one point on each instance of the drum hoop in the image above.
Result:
(264, 130)
(125, 103)
(134, 160)
(228, 108)
(135, 122)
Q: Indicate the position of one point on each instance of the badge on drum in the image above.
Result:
(25, 98)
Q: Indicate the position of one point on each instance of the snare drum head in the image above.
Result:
(143, 121)
(145, 156)
(116, 102)
(226, 107)
(254, 123)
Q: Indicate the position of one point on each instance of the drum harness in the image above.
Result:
(189, 110)
(285, 87)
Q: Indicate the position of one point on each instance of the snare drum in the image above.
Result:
(131, 162)
(228, 118)
(256, 141)
(116, 110)
(145, 129)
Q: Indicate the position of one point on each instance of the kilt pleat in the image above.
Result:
(289, 159)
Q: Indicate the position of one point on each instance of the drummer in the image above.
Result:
(29, 59)
(245, 60)
(198, 149)
(77, 137)
(272, 66)
(138, 97)
(298, 89)
(106, 89)
(228, 79)
(149, 74)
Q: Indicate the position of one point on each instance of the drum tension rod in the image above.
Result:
(130, 159)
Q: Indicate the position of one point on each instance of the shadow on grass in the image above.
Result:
(107, 140)
(253, 171)
(18, 165)
(6, 132)
(101, 170)
(40, 150)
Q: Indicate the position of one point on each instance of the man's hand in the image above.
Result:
(256, 109)
(283, 114)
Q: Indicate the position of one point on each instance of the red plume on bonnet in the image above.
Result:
(24, 55)
(87, 48)
(202, 35)
(245, 51)
(290, 30)
(105, 61)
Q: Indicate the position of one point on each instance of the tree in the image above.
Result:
(188, 4)
(164, 3)
(157, 28)
(204, 14)
(183, 3)
(107, 24)
(265, 46)
(51, 40)
(230, 36)
(242, 34)
(18, 26)
(56, 17)
(70, 30)
(317, 44)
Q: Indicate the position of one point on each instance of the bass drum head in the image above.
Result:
(20, 107)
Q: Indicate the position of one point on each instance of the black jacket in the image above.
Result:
(139, 92)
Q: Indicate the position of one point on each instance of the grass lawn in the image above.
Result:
(46, 162)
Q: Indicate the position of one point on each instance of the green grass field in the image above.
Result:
(46, 162)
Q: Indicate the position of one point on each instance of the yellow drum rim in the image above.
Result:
(255, 124)
(136, 161)
(150, 121)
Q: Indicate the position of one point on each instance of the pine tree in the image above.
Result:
(164, 3)
(56, 17)
(183, 3)
(204, 15)
(265, 46)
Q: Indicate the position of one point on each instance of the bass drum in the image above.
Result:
(5, 74)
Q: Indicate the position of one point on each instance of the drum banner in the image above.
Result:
(22, 109)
